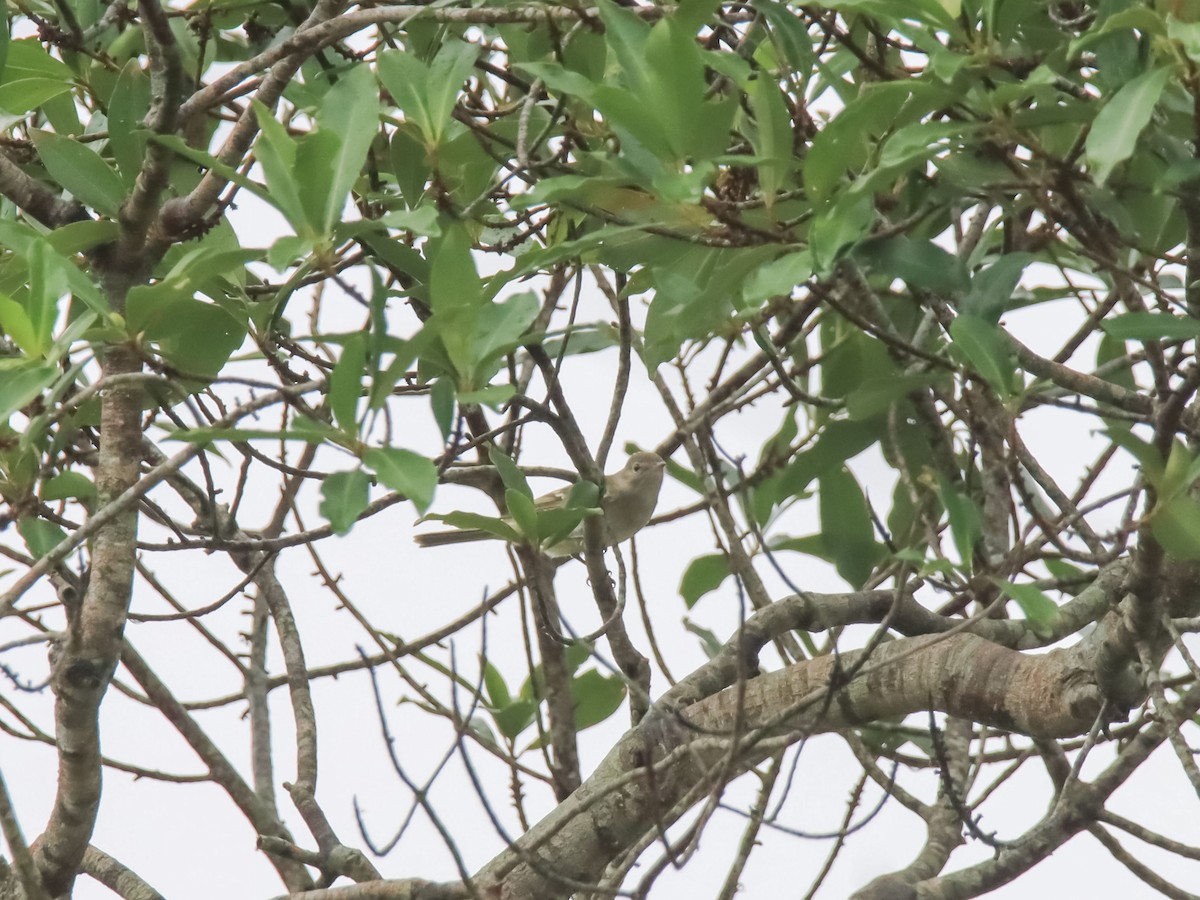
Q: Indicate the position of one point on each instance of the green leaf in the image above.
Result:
(596, 697)
(703, 575)
(877, 395)
(847, 141)
(344, 496)
(779, 277)
(316, 153)
(1144, 452)
(441, 402)
(197, 337)
(77, 237)
(406, 472)
(1176, 526)
(127, 108)
(514, 717)
(276, 153)
(521, 509)
(350, 110)
(1150, 326)
(1040, 610)
(921, 263)
(772, 137)
(67, 485)
(82, 172)
(493, 684)
(427, 94)
(709, 642)
(1115, 131)
(839, 442)
(501, 326)
(449, 69)
(966, 524)
(21, 381)
(40, 536)
(556, 525)
(513, 477)
(992, 288)
(846, 528)
(15, 321)
(1064, 571)
(31, 77)
(984, 349)
(345, 384)
(493, 396)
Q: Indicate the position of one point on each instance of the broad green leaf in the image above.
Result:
(779, 277)
(493, 396)
(81, 171)
(1144, 452)
(127, 108)
(846, 528)
(501, 326)
(21, 381)
(345, 384)
(992, 288)
(838, 443)
(316, 155)
(521, 509)
(442, 402)
(29, 93)
(5, 38)
(77, 237)
(447, 72)
(198, 338)
(40, 535)
(276, 153)
(555, 525)
(877, 395)
(709, 642)
(31, 77)
(513, 477)
(1040, 610)
(350, 110)
(921, 263)
(67, 485)
(427, 93)
(47, 285)
(406, 472)
(1117, 126)
(837, 227)
(596, 697)
(514, 717)
(966, 524)
(493, 684)
(1176, 526)
(985, 351)
(703, 575)
(1150, 326)
(695, 292)
(344, 496)
(15, 321)
(846, 142)
(772, 138)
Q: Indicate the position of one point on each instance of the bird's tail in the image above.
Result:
(461, 536)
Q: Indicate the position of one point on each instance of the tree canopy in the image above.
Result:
(906, 292)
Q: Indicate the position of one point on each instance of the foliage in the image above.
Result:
(260, 260)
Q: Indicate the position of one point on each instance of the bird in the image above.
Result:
(627, 503)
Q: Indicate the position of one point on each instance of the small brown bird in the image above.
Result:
(628, 502)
